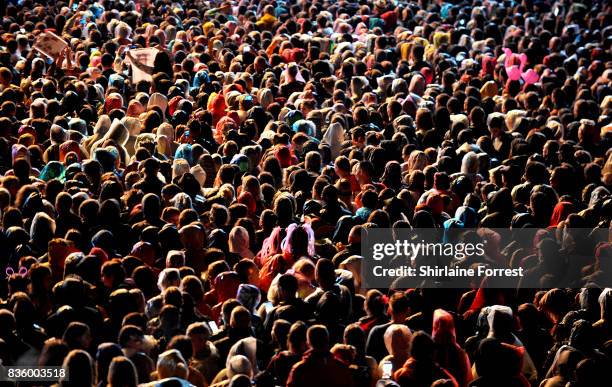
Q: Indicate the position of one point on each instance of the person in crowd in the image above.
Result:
(281, 364)
(397, 341)
(318, 366)
(398, 311)
(122, 372)
(186, 189)
(421, 369)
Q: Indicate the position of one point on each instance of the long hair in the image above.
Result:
(122, 373)
(79, 369)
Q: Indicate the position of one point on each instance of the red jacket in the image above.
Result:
(417, 373)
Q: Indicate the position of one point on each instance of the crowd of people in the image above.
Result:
(184, 188)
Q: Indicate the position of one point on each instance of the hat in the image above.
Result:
(241, 161)
(292, 116)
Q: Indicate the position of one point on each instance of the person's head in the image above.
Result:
(422, 347)
(247, 271)
(181, 343)
(397, 339)
(122, 373)
(172, 364)
(249, 296)
(354, 335)
(287, 287)
(344, 352)
(240, 318)
(77, 335)
(500, 322)
(325, 274)
(79, 368)
(239, 365)
(131, 337)
(170, 277)
(112, 273)
(151, 207)
(554, 303)
(42, 228)
(198, 333)
(105, 354)
(63, 203)
(369, 199)
(192, 285)
(313, 162)
(280, 332)
(365, 172)
(318, 338)
(374, 303)
(296, 338)
(238, 239)
(175, 259)
(399, 307)
(496, 124)
(342, 166)
(53, 352)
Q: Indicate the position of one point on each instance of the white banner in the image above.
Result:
(144, 56)
(49, 44)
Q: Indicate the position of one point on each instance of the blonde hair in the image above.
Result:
(123, 30)
(417, 161)
(179, 168)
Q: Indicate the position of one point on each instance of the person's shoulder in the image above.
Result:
(172, 381)
(282, 357)
(343, 288)
(286, 355)
(141, 356)
(196, 376)
(299, 365)
(216, 337)
(380, 329)
(221, 341)
(300, 302)
(314, 297)
(370, 361)
(154, 301)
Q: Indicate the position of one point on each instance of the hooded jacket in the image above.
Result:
(334, 137)
(448, 353)
(118, 133)
(100, 130)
